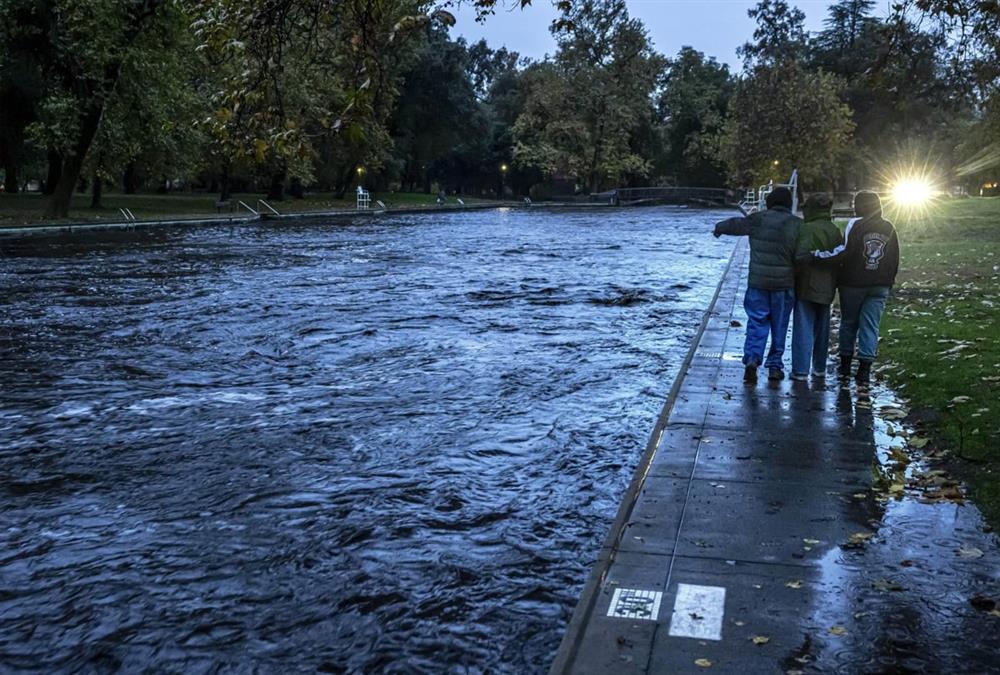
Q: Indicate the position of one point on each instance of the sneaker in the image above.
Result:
(799, 377)
(775, 374)
(750, 375)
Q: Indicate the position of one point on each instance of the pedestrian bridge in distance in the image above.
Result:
(645, 196)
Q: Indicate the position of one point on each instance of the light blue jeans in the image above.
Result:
(861, 309)
(810, 337)
(767, 313)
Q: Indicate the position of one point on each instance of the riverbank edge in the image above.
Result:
(574, 634)
(56, 229)
(63, 229)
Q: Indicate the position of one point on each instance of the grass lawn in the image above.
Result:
(941, 336)
(27, 209)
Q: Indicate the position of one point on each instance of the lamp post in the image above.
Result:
(503, 174)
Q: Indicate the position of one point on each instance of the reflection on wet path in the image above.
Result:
(787, 527)
(377, 446)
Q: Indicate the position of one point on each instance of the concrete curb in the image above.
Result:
(566, 655)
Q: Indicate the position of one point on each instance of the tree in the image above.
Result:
(845, 23)
(583, 108)
(786, 117)
(22, 27)
(438, 125)
(973, 28)
(486, 66)
(87, 46)
(692, 109)
(780, 35)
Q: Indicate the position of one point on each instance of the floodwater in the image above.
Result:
(389, 446)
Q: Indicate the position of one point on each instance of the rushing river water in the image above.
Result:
(389, 446)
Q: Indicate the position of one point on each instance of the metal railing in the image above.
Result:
(756, 200)
(261, 202)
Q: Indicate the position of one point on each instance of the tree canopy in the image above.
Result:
(284, 96)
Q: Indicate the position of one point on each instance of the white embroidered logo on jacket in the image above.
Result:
(874, 248)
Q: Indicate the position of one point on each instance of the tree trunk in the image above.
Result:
(296, 189)
(277, 190)
(343, 181)
(129, 179)
(10, 183)
(54, 172)
(225, 188)
(72, 164)
(97, 190)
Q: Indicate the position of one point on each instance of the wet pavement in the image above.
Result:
(786, 528)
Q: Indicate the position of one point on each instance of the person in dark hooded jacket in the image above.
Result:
(771, 286)
(868, 261)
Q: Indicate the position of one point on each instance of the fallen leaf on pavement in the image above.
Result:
(760, 639)
(703, 663)
(794, 584)
(838, 630)
(858, 538)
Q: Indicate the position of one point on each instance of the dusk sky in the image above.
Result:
(716, 27)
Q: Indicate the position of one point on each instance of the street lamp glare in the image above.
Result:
(912, 192)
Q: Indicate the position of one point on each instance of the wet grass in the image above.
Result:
(940, 336)
(28, 209)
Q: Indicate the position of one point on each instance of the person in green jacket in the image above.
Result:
(815, 288)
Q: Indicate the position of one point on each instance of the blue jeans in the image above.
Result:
(810, 337)
(861, 310)
(767, 312)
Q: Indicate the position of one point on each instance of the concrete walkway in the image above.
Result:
(782, 528)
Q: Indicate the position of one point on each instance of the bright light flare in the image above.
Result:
(912, 192)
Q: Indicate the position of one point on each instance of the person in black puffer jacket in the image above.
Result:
(770, 294)
(868, 261)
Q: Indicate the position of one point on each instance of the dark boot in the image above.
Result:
(845, 365)
(864, 375)
(775, 374)
(750, 375)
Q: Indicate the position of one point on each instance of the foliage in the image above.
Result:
(691, 108)
(783, 117)
(439, 127)
(780, 35)
(583, 108)
(252, 94)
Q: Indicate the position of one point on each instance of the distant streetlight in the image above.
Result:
(503, 174)
(361, 170)
(775, 163)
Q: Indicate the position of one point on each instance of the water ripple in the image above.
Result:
(391, 446)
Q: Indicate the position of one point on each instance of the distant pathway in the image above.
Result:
(756, 538)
